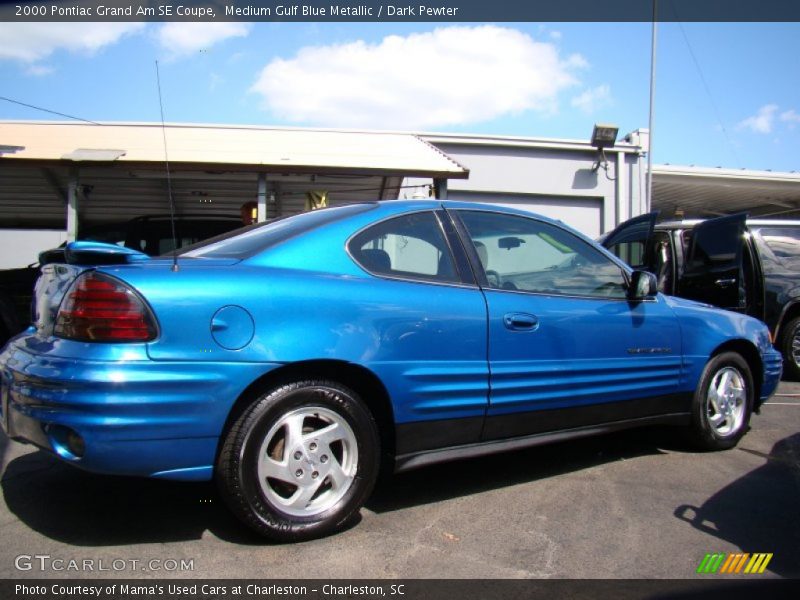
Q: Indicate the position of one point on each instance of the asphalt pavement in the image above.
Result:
(636, 504)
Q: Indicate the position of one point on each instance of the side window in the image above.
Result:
(518, 253)
(632, 253)
(411, 246)
(783, 244)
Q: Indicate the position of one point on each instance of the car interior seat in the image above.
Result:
(376, 259)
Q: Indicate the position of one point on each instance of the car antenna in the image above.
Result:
(169, 179)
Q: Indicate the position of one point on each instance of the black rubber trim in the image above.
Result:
(542, 421)
(441, 433)
(415, 460)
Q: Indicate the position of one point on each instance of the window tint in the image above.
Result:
(408, 246)
(784, 244)
(524, 254)
(632, 253)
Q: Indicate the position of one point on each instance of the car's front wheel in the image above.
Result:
(300, 461)
(722, 403)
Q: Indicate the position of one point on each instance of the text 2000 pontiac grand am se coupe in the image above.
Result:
(287, 359)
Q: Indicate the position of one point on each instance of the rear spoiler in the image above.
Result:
(92, 253)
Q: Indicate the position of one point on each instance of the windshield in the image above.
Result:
(246, 242)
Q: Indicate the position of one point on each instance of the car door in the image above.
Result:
(566, 347)
(712, 270)
(630, 241)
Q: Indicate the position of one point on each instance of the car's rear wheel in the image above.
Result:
(722, 403)
(300, 461)
(790, 348)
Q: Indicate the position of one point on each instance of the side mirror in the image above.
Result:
(644, 286)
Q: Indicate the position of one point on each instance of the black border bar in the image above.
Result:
(433, 11)
(727, 587)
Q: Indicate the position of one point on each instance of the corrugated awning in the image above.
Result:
(231, 148)
(704, 192)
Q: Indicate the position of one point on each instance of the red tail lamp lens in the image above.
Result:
(99, 308)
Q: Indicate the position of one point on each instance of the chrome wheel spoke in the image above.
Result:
(713, 399)
(294, 431)
(307, 461)
(724, 382)
(338, 478)
(302, 497)
(269, 467)
(716, 420)
(330, 434)
(739, 397)
(726, 401)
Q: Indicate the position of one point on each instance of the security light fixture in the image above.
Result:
(604, 135)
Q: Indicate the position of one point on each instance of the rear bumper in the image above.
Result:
(134, 417)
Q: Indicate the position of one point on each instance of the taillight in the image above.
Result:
(99, 308)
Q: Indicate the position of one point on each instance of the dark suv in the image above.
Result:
(746, 265)
(149, 234)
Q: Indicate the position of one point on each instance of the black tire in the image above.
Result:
(285, 439)
(791, 332)
(718, 423)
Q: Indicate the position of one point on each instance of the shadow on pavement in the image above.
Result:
(85, 509)
(466, 477)
(759, 512)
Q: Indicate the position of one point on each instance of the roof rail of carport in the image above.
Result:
(231, 147)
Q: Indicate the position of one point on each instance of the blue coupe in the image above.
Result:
(288, 360)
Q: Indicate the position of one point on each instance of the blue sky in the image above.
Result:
(727, 94)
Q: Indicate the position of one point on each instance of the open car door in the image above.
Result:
(630, 240)
(712, 271)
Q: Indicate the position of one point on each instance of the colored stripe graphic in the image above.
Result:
(711, 563)
(758, 563)
(722, 562)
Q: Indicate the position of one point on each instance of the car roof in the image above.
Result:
(401, 206)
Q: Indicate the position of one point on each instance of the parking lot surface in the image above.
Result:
(632, 505)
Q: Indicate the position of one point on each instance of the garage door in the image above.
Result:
(583, 214)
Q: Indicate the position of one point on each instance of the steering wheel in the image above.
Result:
(493, 277)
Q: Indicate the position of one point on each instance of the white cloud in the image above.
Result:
(39, 70)
(791, 117)
(449, 76)
(593, 99)
(185, 38)
(31, 42)
(762, 121)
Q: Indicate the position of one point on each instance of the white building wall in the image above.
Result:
(22, 246)
(558, 180)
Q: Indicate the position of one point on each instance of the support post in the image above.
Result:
(262, 197)
(72, 206)
(440, 188)
(623, 197)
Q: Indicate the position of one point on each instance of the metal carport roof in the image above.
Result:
(232, 147)
(120, 168)
(704, 192)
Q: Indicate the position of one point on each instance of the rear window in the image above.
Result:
(256, 238)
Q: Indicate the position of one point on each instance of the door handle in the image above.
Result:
(521, 322)
(723, 283)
